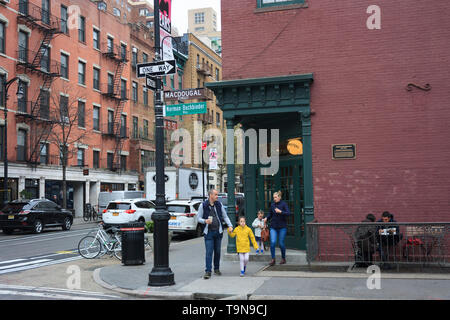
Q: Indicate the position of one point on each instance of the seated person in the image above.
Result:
(388, 237)
(366, 240)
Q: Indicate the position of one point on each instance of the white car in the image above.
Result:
(183, 216)
(128, 210)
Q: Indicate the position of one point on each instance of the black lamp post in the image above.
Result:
(19, 94)
(161, 274)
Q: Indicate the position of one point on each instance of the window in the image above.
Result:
(96, 80)
(110, 160)
(64, 17)
(144, 57)
(217, 74)
(45, 12)
(2, 87)
(272, 3)
(123, 163)
(134, 53)
(110, 45)
(64, 66)
(123, 126)
(172, 81)
(43, 156)
(199, 29)
(23, 46)
(145, 129)
(44, 104)
(21, 145)
(145, 96)
(2, 37)
(123, 51)
(23, 7)
(96, 159)
(116, 12)
(22, 103)
(81, 113)
(110, 83)
(96, 118)
(135, 92)
(135, 127)
(2, 138)
(64, 109)
(80, 157)
(199, 17)
(96, 39)
(110, 122)
(82, 29)
(123, 89)
(218, 119)
(180, 81)
(81, 73)
(45, 60)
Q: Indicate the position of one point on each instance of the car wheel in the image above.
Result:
(8, 231)
(67, 224)
(38, 226)
(141, 219)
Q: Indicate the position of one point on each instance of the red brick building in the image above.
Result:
(339, 73)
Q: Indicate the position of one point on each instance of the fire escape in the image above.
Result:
(116, 90)
(36, 113)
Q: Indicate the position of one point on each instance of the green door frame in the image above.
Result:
(246, 98)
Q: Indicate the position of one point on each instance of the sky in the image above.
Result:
(180, 10)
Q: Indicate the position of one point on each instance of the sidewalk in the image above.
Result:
(186, 260)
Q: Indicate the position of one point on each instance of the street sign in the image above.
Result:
(150, 82)
(185, 108)
(213, 159)
(185, 94)
(159, 68)
(204, 145)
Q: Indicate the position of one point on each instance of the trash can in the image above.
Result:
(133, 251)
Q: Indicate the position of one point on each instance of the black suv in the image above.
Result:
(34, 215)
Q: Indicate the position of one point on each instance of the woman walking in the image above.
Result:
(277, 216)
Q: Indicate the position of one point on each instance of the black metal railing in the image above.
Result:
(115, 52)
(31, 13)
(386, 244)
(27, 59)
(111, 90)
(112, 129)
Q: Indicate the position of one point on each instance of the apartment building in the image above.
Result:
(203, 23)
(72, 58)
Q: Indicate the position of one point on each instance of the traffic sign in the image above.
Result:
(159, 68)
(150, 82)
(185, 108)
(204, 145)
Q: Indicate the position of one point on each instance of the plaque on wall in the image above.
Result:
(343, 151)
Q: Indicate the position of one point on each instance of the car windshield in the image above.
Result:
(118, 206)
(223, 200)
(16, 207)
(178, 208)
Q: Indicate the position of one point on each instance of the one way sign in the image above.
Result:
(160, 68)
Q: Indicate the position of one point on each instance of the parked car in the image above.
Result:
(105, 197)
(183, 216)
(240, 203)
(35, 215)
(128, 210)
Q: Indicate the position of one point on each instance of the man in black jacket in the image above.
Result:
(365, 239)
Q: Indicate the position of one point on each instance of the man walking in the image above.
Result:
(213, 215)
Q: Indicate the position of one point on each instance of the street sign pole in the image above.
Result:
(161, 274)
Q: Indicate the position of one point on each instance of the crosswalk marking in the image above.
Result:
(11, 261)
(24, 264)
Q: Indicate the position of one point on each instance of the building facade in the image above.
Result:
(362, 89)
(73, 59)
(203, 23)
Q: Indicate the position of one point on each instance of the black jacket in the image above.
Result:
(366, 236)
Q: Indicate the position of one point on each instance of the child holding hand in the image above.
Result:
(243, 236)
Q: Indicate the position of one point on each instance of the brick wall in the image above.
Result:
(359, 96)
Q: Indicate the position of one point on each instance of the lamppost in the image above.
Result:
(161, 274)
(19, 95)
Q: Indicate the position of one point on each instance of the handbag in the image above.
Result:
(265, 234)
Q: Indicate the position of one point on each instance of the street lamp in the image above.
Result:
(161, 274)
(19, 94)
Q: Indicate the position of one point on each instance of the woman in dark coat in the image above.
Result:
(279, 211)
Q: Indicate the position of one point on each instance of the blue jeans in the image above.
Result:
(213, 243)
(279, 234)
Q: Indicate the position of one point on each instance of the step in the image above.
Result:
(292, 256)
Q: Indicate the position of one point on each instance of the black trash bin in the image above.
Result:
(133, 251)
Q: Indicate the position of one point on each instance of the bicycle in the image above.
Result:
(90, 247)
(89, 213)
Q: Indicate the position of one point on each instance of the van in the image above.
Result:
(106, 197)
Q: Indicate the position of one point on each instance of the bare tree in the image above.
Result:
(67, 112)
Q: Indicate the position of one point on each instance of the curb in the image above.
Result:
(142, 293)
